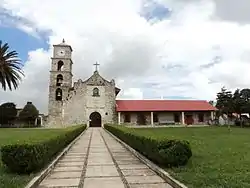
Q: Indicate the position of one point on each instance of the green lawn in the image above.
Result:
(221, 159)
(10, 136)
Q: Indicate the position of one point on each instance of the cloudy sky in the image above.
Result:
(173, 48)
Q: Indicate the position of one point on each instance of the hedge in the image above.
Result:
(24, 158)
(164, 152)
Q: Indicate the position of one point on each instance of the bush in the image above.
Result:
(29, 114)
(165, 152)
(30, 157)
(8, 114)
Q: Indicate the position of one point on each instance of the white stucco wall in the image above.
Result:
(165, 116)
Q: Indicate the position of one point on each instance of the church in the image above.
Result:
(93, 101)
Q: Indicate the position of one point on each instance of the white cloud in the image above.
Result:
(170, 57)
(34, 83)
(132, 93)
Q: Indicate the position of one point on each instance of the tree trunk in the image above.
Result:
(228, 125)
(240, 120)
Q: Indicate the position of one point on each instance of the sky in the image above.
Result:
(175, 49)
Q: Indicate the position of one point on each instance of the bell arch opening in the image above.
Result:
(58, 94)
(59, 80)
(60, 65)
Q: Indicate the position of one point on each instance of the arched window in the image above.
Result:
(96, 92)
(59, 80)
(58, 94)
(60, 65)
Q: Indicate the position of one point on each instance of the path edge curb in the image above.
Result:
(41, 175)
(162, 173)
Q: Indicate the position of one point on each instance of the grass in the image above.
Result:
(221, 159)
(20, 135)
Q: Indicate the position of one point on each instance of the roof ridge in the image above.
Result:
(161, 100)
(163, 105)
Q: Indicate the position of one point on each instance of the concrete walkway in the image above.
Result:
(98, 160)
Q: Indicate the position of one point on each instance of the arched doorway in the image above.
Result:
(95, 119)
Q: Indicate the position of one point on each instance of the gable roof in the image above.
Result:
(163, 105)
(96, 80)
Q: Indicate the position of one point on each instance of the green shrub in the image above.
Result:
(30, 157)
(163, 152)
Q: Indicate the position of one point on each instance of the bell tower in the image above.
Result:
(60, 81)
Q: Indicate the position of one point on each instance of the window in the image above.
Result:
(96, 92)
(176, 118)
(155, 117)
(58, 94)
(201, 117)
(59, 80)
(126, 118)
(60, 65)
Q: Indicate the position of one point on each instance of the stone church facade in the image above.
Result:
(93, 101)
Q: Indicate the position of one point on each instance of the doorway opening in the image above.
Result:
(141, 119)
(189, 119)
(95, 119)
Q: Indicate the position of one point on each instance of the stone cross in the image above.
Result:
(96, 64)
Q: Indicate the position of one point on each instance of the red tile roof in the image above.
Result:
(163, 105)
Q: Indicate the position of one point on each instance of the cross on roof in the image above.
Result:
(96, 64)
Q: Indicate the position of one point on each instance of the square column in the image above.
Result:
(212, 115)
(62, 113)
(41, 120)
(119, 118)
(152, 118)
(182, 118)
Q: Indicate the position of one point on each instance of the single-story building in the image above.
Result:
(157, 112)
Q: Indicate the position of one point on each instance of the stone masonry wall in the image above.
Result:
(55, 107)
(81, 103)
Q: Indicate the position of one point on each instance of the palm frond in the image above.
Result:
(10, 68)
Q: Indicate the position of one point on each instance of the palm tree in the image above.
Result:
(10, 68)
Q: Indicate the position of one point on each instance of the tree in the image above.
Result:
(245, 93)
(10, 68)
(238, 103)
(224, 102)
(8, 113)
(29, 113)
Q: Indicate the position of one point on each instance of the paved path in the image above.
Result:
(98, 160)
